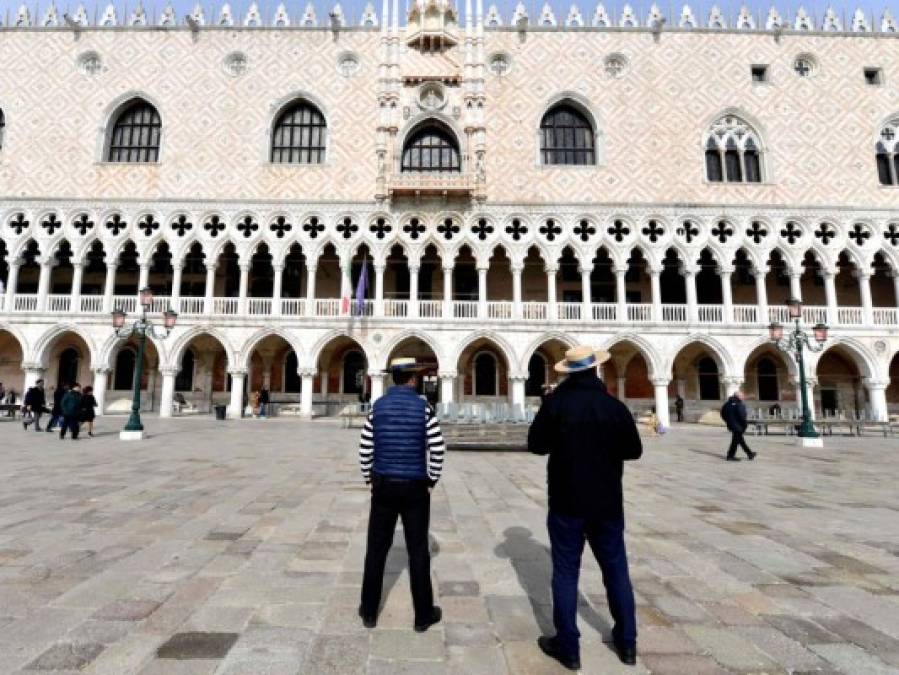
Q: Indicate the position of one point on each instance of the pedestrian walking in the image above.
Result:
(588, 434)
(401, 456)
(2, 392)
(263, 401)
(71, 412)
(34, 405)
(56, 410)
(679, 408)
(733, 412)
(11, 399)
(88, 413)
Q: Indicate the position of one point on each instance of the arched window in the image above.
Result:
(68, 367)
(536, 376)
(353, 372)
(766, 373)
(136, 134)
(485, 375)
(292, 381)
(124, 370)
(184, 380)
(433, 147)
(2, 127)
(887, 153)
(566, 137)
(299, 135)
(709, 387)
(732, 152)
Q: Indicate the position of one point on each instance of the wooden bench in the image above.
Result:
(764, 426)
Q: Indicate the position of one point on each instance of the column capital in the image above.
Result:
(620, 270)
(551, 269)
(210, 267)
(732, 380)
(169, 371)
(414, 269)
(483, 267)
(447, 374)
(307, 372)
(518, 377)
(102, 371)
(689, 270)
(516, 268)
(244, 265)
(32, 367)
(278, 267)
(380, 267)
(660, 381)
(77, 263)
(447, 267)
(875, 384)
(584, 270)
(862, 275)
(237, 372)
(725, 270)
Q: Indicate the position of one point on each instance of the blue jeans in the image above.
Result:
(567, 536)
(263, 408)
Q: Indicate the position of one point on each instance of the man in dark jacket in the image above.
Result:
(587, 434)
(56, 410)
(734, 415)
(401, 456)
(71, 411)
(35, 402)
(264, 399)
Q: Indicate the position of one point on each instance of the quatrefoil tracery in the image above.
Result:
(825, 233)
(891, 234)
(618, 231)
(482, 229)
(247, 226)
(517, 229)
(19, 224)
(414, 228)
(313, 227)
(689, 231)
(550, 229)
(51, 223)
(723, 231)
(83, 224)
(791, 232)
(347, 227)
(116, 224)
(757, 232)
(214, 226)
(380, 228)
(584, 229)
(859, 234)
(448, 229)
(653, 231)
(181, 225)
(148, 224)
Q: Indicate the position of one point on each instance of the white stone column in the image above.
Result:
(621, 388)
(447, 292)
(346, 284)
(727, 298)
(413, 292)
(143, 276)
(761, 295)
(655, 276)
(209, 301)
(586, 294)
(43, 286)
(482, 292)
(101, 382)
(307, 384)
(447, 386)
(517, 312)
(692, 307)
(175, 298)
(276, 288)
(377, 385)
(12, 281)
(864, 287)
(517, 389)
(894, 274)
(552, 309)
(660, 385)
(830, 295)
(109, 286)
(235, 409)
(33, 372)
(621, 294)
(77, 278)
(796, 285)
(810, 384)
(244, 285)
(167, 395)
(310, 289)
(379, 291)
(878, 400)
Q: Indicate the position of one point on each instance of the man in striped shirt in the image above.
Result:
(401, 457)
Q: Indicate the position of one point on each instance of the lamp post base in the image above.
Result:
(131, 435)
(806, 442)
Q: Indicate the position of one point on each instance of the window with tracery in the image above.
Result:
(431, 148)
(136, 134)
(887, 153)
(733, 152)
(299, 135)
(566, 137)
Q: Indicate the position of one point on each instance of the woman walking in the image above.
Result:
(88, 403)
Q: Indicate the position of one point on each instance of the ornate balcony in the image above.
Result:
(440, 184)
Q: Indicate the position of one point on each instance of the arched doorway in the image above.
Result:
(353, 373)
(68, 360)
(484, 370)
(184, 380)
(273, 365)
(203, 380)
(769, 380)
(414, 347)
(342, 375)
(540, 370)
(709, 382)
(11, 376)
(121, 381)
(840, 391)
(697, 372)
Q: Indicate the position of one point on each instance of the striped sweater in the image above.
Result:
(436, 447)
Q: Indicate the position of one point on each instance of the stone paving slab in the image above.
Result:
(237, 548)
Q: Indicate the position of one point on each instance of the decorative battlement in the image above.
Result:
(436, 21)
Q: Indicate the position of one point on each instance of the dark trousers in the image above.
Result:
(36, 420)
(393, 498)
(54, 420)
(735, 440)
(606, 537)
(680, 414)
(69, 423)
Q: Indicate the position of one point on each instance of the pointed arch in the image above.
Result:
(543, 338)
(298, 130)
(176, 351)
(400, 338)
(40, 352)
(652, 357)
(133, 132)
(250, 344)
(720, 353)
(504, 346)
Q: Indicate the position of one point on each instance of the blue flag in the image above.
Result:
(361, 288)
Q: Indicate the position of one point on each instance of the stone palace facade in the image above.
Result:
(507, 185)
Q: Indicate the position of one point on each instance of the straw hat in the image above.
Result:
(405, 363)
(581, 358)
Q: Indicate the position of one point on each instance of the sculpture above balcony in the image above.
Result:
(432, 25)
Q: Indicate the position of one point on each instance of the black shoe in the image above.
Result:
(627, 654)
(751, 455)
(733, 459)
(367, 621)
(436, 615)
(549, 647)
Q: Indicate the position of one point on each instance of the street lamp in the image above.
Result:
(793, 343)
(134, 429)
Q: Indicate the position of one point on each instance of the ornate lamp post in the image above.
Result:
(793, 343)
(134, 429)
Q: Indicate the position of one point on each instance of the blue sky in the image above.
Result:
(353, 8)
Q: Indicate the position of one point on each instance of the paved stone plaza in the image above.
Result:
(237, 547)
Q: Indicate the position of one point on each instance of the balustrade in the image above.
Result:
(227, 306)
(569, 311)
(126, 303)
(430, 309)
(533, 311)
(59, 303)
(674, 313)
(710, 313)
(465, 309)
(191, 306)
(639, 312)
(605, 311)
(813, 315)
(849, 316)
(499, 310)
(25, 302)
(91, 304)
(746, 314)
(396, 308)
(327, 307)
(293, 306)
(886, 316)
(259, 306)
(778, 315)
